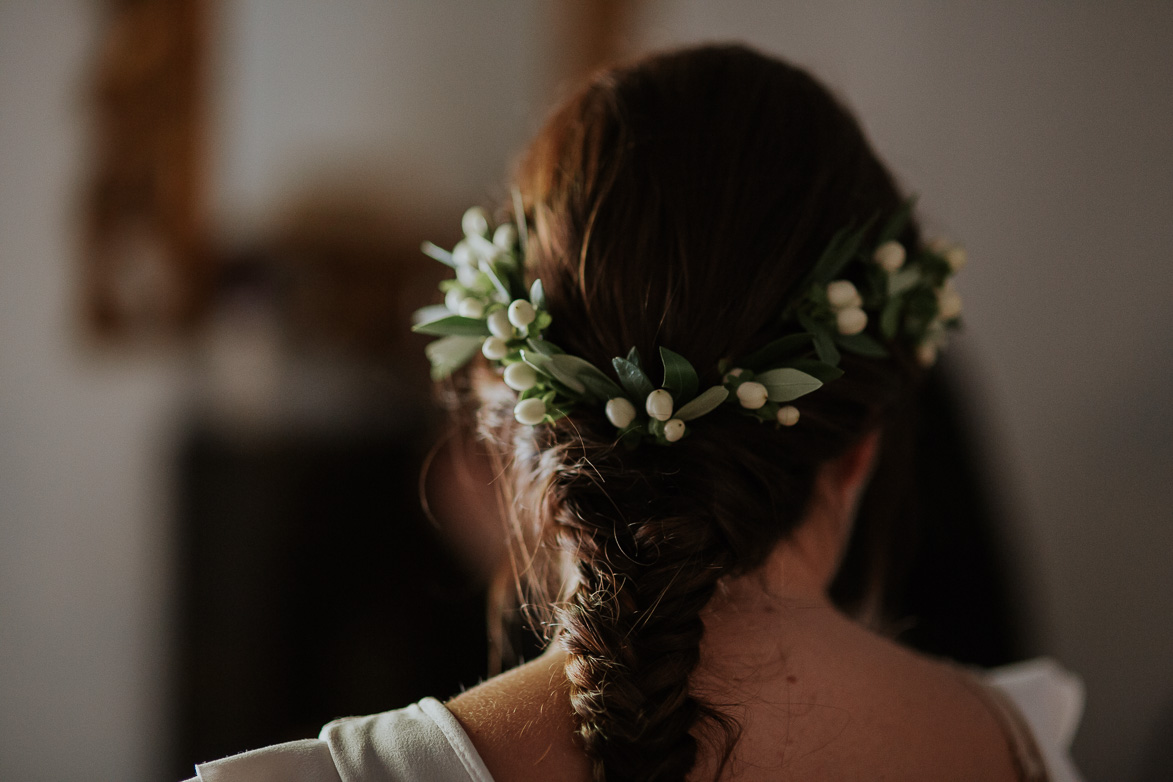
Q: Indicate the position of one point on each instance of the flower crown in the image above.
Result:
(895, 293)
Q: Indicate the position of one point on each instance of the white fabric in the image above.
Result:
(425, 743)
(1050, 699)
(422, 743)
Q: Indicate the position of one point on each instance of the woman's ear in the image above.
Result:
(841, 481)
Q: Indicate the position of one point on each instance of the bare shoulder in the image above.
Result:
(920, 717)
(522, 725)
(844, 703)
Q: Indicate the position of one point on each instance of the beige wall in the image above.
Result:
(1036, 133)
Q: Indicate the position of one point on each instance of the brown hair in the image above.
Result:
(677, 202)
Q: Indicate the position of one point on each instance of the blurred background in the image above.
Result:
(209, 219)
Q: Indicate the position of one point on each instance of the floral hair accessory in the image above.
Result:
(857, 296)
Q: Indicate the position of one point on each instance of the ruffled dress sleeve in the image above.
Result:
(421, 743)
(1049, 699)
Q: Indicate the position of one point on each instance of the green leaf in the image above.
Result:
(438, 253)
(453, 325)
(785, 384)
(498, 283)
(890, 318)
(633, 357)
(843, 247)
(451, 353)
(773, 353)
(539, 362)
(544, 347)
(631, 377)
(679, 377)
(581, 376)
(824, 344)
(537, 295)
(431, 313)
(903, 280)
(707, 402)
(828, 260)
(862, 345)
(817, 369)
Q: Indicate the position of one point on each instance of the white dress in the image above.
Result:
(425, 743)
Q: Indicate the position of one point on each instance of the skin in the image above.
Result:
(818, 696)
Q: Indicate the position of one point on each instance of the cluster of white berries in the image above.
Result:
(658, 405)
(847, 305)
(506, 324)
(948, 303)
(753, 395)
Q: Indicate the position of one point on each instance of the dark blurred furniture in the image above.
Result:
(311, 587)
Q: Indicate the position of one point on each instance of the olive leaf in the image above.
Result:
(430, 313)
(544, 347)
(453, 325)
(824, 344)
(498, 283)
(680, 378)
(563, 374)
(774, 353)
(862, 345)
(890, 318)
(785, 384)
(582, 376)
(450, 353)
(903, 280)
(438, 253)
(707, 402)
(817, 369)
(631, 377)
(537, 295)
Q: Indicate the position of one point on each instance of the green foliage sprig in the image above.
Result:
(859, 296)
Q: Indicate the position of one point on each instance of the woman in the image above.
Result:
(681, 508)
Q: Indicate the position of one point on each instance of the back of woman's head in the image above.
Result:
(679, 203)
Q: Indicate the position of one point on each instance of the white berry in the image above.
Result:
(499, 325)
(520, 376)
(948, 303)
(495, 349)
(453, 299)
(842, 294)
(620, 412)
(521, 313)
(469, 276)
(673, 430)
(889, 256)
(850, 321)
(462, 254)
(659, 405)
(752, 395)
(956, 258)
(472, 308)
(788, 415)
(530, 411)
(475, 222)
(505, 236)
